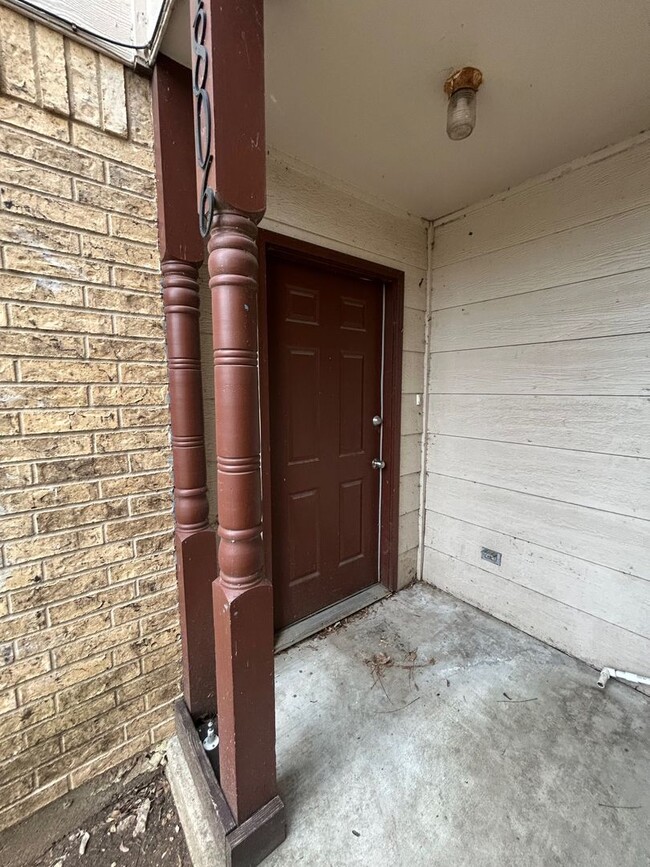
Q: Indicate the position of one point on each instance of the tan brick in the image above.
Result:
(18, 343)
(167, 619)
(47, 546)
(14, 230)
(118, 250)
(53, 210)
(142, 183)
(44, 498)
(67, 371)
(107, 722)
(144, 417)
(147, 721)
(48, 153)
(91, 558)
(107, 640)
(138, 94)
(48, 319)
(23, 624)
(128, 395)
(50, 62)
(146, 683)
(62, 722)
(48, 639)
(27, 760)
(15, 527)
(83, 82)
(36, 261)
(15, 577)
(143, 373)
(18, 287)
(33, 448)
(154, 460)
(111, 74)
(21, 396)
(29, 117)
(140, 527)
(150, 483)
(140, 281)
(18, 672)
(62, 678)
(45, 594)
(77, 757)
(115, 200)
(134, 326)
(138, 567)
(132, 229)
(165, 729)
(77, 516)
(123, 301)
(125, 350)
(15, 476)
(9, 424)
(114, 149)
(22, 174)
(114, 678)
(147, 645)
(7, 370)
(7, 702)
(169, 690)
(68, 420)
(144, 606)
(16, 60)
(122, 441)
(32, 803)
(16, 790)
(164, 655)
(81, 468)
(24, 717)
(109, 760)
(150, 503)
(90, 603)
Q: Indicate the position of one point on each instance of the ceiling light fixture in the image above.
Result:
(461, 87)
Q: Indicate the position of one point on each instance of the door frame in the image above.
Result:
(293, 248)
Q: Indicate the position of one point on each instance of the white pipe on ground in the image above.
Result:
(606, 673)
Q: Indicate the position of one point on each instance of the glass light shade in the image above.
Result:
(461, 113)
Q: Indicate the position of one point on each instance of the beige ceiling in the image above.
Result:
(354, 88)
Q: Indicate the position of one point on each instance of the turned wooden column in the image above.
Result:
(182, 250)
(228, 85)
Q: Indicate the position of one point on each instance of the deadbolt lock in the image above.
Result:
(378, 464)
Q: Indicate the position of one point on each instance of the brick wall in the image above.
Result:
(89, 638)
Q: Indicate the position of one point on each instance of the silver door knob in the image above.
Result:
(377, 420)
(378, 464)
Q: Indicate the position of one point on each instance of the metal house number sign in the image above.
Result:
(202, 117)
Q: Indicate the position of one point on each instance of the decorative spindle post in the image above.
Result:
(181, 250)
(228, 84)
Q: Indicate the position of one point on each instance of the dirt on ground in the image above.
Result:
(140, 829)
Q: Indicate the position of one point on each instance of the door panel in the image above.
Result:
(324, 386)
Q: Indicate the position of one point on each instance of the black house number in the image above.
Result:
(202, 118)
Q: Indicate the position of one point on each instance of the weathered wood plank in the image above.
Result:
(610, 246)
(612, 425)
(602, 592)
(605, 538)
(617, 304)
(604, 365)
(597, 642)
(617, 484)
(599, 189)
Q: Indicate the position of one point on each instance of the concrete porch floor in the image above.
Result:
(437, 766)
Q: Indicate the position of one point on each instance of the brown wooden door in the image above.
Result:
(324, 335)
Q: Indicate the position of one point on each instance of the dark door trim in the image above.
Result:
(271, 242)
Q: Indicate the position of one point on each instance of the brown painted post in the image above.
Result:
(228, 83)
(181, 250)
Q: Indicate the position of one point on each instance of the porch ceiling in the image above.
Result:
(355, 89)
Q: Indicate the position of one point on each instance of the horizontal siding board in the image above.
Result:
(617, 304)
(604, 538)
(617, 484)
(597, 642)
(601, 592)
(613, 425)
(591, 192)
(611, 246)
(605, 365)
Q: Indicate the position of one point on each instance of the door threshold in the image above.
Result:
(291, 635)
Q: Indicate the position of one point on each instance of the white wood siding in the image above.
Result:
(303, 204)
(538, 436)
